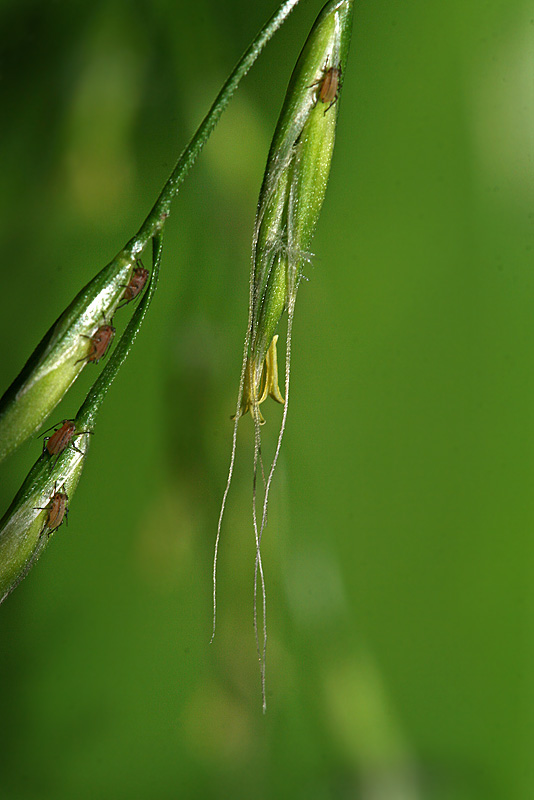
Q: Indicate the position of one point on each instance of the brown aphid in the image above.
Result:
(62, 437)
(58, 510)
(100, 342)
(135, 286)
(329, 85)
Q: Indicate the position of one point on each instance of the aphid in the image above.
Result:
(135, 286)
(329, 85)
(100, 341)
(62, 437)
(58, 510)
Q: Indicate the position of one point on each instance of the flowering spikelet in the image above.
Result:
(290, 201)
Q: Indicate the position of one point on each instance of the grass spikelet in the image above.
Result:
(291, 197)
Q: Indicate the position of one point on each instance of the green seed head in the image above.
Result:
(293, 191)
(37, 511)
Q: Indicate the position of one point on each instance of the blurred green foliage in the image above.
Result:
(399, 553)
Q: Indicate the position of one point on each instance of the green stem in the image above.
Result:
(161, 209)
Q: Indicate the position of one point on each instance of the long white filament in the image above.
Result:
(262, 653)
(234, 445)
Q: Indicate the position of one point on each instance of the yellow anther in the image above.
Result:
(252, 396)
(270, 375)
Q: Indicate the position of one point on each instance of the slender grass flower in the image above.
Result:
(289, 205)
(41, 504)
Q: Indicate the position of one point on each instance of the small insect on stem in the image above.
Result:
(62, 437)
(58, 510)
(136, 284)
(100, 342)
(329, 86)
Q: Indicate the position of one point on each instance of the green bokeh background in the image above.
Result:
(399, 555)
